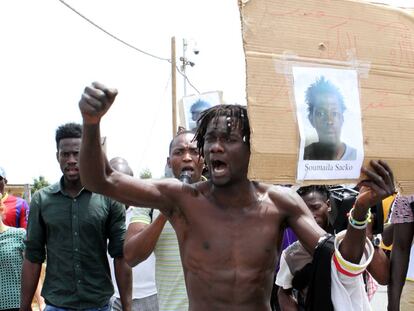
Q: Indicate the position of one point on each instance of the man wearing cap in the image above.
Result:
(17, 209)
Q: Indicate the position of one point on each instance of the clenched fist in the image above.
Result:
(95, 102)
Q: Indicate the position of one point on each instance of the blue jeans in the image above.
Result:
(53, 308)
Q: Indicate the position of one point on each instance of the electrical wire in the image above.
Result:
(186, 78)
(113, 36)
(128, 44)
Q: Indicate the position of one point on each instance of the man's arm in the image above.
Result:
(115, 228)
(30, 279)
(123, 276)
(286, 300)
(378, 185)
(38, 295)
(379, 267)
(283, 281)
(141, 239)
(34, 253)
(96, 173)
(387, 234)
(400, 254)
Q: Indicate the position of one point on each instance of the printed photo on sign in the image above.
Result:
(195, 104)
(329, 120)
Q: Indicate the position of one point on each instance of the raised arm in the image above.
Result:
(378, 185)
(96, 173)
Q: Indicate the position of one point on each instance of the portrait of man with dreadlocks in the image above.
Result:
(229, 228)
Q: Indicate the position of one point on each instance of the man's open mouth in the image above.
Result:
(187, 169)
(218, 166)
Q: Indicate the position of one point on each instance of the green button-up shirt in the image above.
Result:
(74, 232)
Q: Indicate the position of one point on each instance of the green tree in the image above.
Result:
(39, 183)
(145, 174)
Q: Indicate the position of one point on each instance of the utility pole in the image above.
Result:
(184, 65)
(173, 88)
(185, 62)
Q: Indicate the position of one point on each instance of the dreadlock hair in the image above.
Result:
(236, 118)
(322, 189)
(68, 130)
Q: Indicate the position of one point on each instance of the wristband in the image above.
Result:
(357, 224)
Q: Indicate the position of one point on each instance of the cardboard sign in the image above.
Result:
(375, 41)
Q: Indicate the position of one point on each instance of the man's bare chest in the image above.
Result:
(225, 237)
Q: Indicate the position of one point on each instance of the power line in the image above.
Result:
(128, 44)
(113, 36)
(186, 77)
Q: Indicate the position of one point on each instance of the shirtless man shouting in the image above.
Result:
(229, 228)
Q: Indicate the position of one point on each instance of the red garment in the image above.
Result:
(16, 211)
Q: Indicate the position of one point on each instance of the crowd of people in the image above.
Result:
(194, 242)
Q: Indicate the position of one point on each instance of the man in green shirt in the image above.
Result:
(73, 225)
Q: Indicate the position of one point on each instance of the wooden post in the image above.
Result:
(173, 88)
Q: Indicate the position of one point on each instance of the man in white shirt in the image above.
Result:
(144, 291)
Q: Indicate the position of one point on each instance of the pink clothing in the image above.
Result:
(402, 211)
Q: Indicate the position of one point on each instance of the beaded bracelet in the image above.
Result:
(359, 224)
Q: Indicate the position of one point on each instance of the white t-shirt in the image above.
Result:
(347, 293)
(143, 274)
